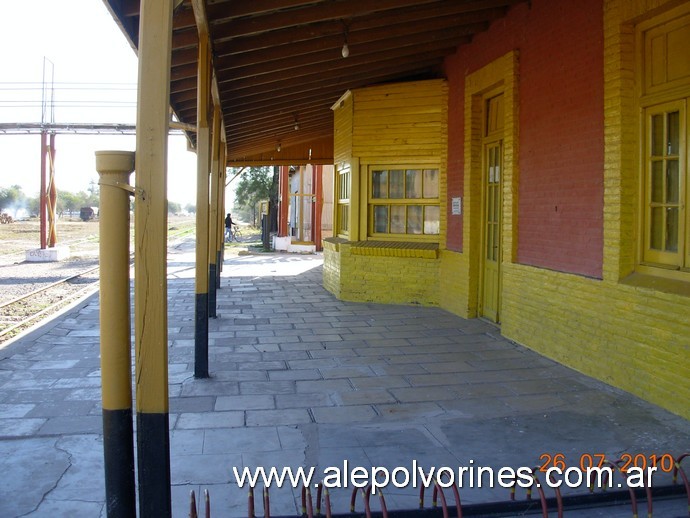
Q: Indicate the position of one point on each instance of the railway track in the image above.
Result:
(29, 309)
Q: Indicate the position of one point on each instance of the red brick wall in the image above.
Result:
(561, 133)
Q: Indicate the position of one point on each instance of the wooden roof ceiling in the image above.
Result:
(279, 63)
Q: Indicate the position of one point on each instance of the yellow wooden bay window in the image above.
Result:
(404, 202)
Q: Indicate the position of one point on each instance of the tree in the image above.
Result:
(191, 208)
(255, 185)
(174, 207)
(68, 201)
(12, 198)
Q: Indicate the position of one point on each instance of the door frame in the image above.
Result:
(499, 76)
(490, 141)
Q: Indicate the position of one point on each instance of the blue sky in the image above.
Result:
(86, 46)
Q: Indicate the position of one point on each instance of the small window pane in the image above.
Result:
(658, 181)
(380, 184)
(397, 219)
(658, 135)
(490, 205)
(672, 181)
(672, 229)
(414, 219)
(381, 219)
(431, 220)
(656, 230)
(344, 218)
(344, 186)
(494, 250)
(397, 184)
(413, 184)
(673, 133)
(431, 183)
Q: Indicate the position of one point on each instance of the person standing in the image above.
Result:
(228, 227)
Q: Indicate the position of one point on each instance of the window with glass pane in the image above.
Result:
(343, 197)
(380, 184)
(397, 184)
(430, 183)
(381, 218)
(665, 185)
(432, 219)
(405, 201)
(397, 219)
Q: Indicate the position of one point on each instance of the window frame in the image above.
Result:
(651, 256)
(373, 203)
(343, 175)
(653, 100)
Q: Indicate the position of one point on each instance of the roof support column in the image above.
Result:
(114, 168)
(150, 281)
(283, 200)
(318, 205)
(214, 216)
(202, 209)
(220, 233)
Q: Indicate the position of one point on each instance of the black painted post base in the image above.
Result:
(118, 453)
(153, 461)
(201, 336)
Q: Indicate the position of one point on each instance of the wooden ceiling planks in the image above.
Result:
(278, 62)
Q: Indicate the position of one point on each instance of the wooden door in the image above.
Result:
(491, 285)
(492, 172)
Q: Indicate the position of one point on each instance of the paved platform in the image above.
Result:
(299, 378)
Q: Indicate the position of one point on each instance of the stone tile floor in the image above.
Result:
(299, 378)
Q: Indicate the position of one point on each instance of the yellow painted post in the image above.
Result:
(202, 212)
(114, 168)
(214, 214)
(221, 203)
(150, 281)
(220, 227)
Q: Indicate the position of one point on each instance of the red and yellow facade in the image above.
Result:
(560, 141)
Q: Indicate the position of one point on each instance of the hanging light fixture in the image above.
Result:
(278, 147)
(345, 52)
(296, 123)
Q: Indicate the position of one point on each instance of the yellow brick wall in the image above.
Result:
(455, 281)
(634, 338)
(331, 266)
(374, 277)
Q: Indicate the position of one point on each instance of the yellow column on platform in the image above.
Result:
(114, 168)
(202, 210)
(214, 215)
(150, 281)
(221, 205)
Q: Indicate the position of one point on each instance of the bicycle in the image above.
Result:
(236, 233)
(233, 234)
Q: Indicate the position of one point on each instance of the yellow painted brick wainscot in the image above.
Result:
(391, 273)
(634, 338)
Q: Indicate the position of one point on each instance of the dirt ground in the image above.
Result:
(18, 237)
(81, 237)
(18, 276)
